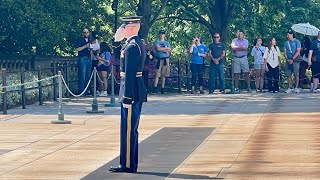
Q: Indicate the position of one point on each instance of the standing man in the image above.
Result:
(239, 47)
(132, 93)
(217, 54)
(84, 62)
(163, 52)
(314, 59)
(292, 49)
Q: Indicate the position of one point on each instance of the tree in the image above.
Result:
(213, 14)
(50, 26)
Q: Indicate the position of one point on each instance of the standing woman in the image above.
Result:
(257, 52)
(104, 67)
(198, 52)
(272, 65)
(305, 47)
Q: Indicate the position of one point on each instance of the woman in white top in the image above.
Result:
(273, 65)
(259, 65)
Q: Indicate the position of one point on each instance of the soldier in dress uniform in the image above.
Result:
(132, 92)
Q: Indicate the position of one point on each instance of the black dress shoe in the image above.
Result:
(119, 169)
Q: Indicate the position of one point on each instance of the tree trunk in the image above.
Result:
(219, 19)
(144, 9)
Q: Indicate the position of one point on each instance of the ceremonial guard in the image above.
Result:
(132, 92)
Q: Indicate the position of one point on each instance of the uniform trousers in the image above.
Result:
(129, 135)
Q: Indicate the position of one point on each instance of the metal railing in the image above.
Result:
(39, 84)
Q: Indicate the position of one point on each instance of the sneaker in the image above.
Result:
(236, 90)
(296, 90)
(275, 91)
(104, 94)
(222, 91)
(315, 91)
(288, 91)
(202, 91)
(162, 90)
(98, 93)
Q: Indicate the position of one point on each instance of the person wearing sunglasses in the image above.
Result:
(84, 61)
(217, 54)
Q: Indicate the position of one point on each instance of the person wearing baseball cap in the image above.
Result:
(292, 49)
(162, 55)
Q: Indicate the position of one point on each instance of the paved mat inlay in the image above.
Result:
(159, 155)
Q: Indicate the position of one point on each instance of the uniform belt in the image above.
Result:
(138, 74)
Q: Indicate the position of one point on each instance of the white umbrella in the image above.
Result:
(306, 29)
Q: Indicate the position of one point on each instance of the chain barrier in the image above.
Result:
(115, 79)
(99, 78)
(29, 83)
(81, 94)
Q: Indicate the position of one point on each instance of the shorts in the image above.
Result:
(315, 68)
(240, 64)
(259, 66)
(103, 68)
(292, 68)
(164, 70)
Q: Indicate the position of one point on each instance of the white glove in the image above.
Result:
(119, 35)
(126, 105)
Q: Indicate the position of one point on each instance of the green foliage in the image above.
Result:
(52, 27)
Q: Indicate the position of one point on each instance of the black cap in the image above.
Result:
(290, 31)
(162, 32)
(131, 20)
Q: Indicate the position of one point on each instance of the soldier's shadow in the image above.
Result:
(176, 176)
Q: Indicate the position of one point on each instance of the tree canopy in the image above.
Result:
(52, 27)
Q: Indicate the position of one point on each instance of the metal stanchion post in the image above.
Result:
(232, 91)
(4, 91)
(95, 106)
(60, 113)
(112, 97)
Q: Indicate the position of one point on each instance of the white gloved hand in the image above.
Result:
(126, 105)
(119, 35)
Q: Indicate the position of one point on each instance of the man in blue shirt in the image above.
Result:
(217, 53)
(314, 59)
(198, 52)
(292, 49)
(84, 62)
(163, 51)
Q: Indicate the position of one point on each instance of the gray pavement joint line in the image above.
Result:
(215, 130)
(95, 117)
(56, 150)
(29, 143)
(232, 114)
(242, 104)
(265, 111)
(13, 116)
